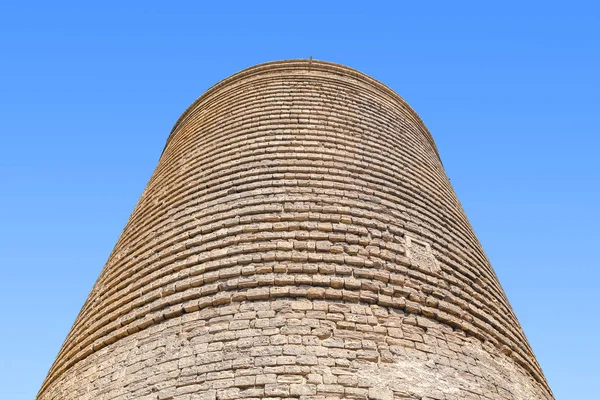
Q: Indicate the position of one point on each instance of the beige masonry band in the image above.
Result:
(298, 239)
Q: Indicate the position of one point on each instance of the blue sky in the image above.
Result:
(509, 90)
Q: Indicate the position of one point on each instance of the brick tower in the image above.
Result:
(298, 239)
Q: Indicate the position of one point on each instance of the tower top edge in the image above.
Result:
(306, 65)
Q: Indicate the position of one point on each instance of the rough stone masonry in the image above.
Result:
(298, 239)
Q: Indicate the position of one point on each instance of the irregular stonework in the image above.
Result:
(298, 239)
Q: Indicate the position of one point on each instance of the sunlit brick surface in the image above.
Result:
(298, 239)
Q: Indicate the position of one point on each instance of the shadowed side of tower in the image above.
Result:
(298, 239)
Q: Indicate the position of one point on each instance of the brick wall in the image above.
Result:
(298, 239)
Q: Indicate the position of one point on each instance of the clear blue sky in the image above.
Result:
(510, 91)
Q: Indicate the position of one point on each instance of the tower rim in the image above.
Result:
(296, 64)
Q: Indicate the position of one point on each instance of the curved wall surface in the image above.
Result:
(298, 239)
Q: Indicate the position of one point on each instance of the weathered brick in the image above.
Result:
(299, 238)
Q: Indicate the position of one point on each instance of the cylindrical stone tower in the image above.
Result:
(298, 239)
